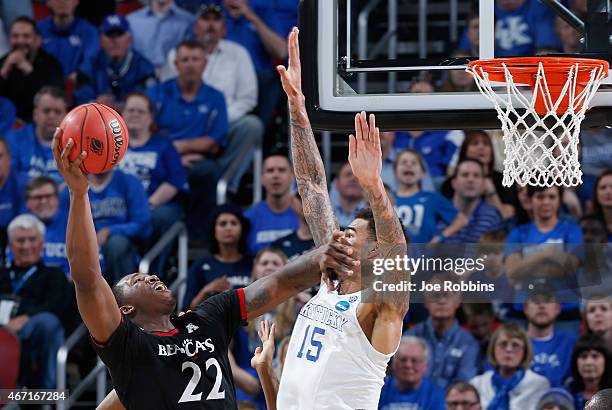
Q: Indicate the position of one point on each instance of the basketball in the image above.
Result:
(100, 131)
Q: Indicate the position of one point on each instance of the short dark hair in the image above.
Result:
(602, 400)
(532, 190)
(53, 91)
(38, 182)
(462, 387)
(213, 244)
(191, 44)
(465, 160)
(25, 20)
(367, 215)
(588, 342)
(119, 292)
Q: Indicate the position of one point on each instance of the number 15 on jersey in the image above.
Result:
(313, 346)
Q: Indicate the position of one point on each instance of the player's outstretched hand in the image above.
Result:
(291, 77)
(263, 355)
(70, 171)
(365, 155)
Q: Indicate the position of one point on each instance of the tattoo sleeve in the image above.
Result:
(310, 176)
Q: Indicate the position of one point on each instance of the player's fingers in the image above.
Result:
(258, 350)
(365, 129)
(358, 137)
(77, 162)
(344, 249)
(372, 127)
(337, 235)
(352, 146)
(66, 151)
(271, 334)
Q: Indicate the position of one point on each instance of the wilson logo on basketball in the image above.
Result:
(96, 146)
(117, 135)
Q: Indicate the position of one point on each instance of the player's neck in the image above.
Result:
(348, 286)
(407, 190)
(154, 324)
(540, 332)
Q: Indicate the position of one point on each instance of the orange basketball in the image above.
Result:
(100, 131)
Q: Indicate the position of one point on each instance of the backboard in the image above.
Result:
(368, 55)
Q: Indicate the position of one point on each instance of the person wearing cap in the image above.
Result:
(556, 399)
(116, 69)
(158, 28)
(229, 69)
(552, 349)
(68, 38)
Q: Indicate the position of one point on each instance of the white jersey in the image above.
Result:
(330, 362)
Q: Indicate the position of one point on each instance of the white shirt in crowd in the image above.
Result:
(524, 396)
(230, 70)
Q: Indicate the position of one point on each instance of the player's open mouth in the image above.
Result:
(160, 287)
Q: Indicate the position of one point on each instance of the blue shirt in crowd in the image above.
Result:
(122, 206)
(155, 35)
(71, 45)
(8, 113)
(552, 357)
(484, 219)
(267, 225)
(12, 197)
(99, 75)
(453, 357)
(421, 212)
(153, 163)
(206, 269)
(54, 253)
(292, 246)
(204, 116)
(434, 147)
(427, 397)
(30, 157)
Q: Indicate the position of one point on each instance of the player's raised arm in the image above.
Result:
(366, 161)
(95, 299)
(302, 273)
(307, 162)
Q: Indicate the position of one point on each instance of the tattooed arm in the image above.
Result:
(307, 162)
(381, 315)
(266, 293)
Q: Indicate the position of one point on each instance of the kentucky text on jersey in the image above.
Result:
(324, 315)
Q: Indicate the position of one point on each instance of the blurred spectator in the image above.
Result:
(491, 250)
(478, 145)
(43, 201)
(229, 69)
(121, 217)
(470, 41)
(12, 188)
(481, 323)
(459, 80)
(348, 196)
(116, 69)
(510, 385)
(31, 145)
(591, 369)
(462, 396)
(8, 114)
(256, 26)
(386, 146)
(229, 265)
(421, 211)
(4, 45)
(158, 28)
(300, 241)
(552, 349)
(522, 27)
(598, 317)
(556, 399)
(469, 186)
(595, 159)
(194, 116)
(273, 217)
(95, 11)
(408, 387)
(436, 147)
(68, 38)
(454, 352)
(594, 275)
(12, 10)
(602, 200)
(40, 294)
(154, 161)
(568, 36)
(27, 68)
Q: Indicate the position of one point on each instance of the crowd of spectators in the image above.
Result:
(196, 81)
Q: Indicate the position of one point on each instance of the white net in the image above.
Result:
(541, 149)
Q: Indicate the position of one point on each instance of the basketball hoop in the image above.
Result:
(541, 128)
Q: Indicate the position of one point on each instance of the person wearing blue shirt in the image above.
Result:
(408, 387)
(454, 351)
(116, 69)
(300, 241)
(229, 265)
(30, 146)
(154, 161)
(469, 186)
(346, 196)
(547, 248)
(194, 116)
(121, 217)
(421, 211)
(68, 38)
(273, 217)
(552, 349)
(12, 188)
(158, 28)
(8, 114)
(436, 150)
